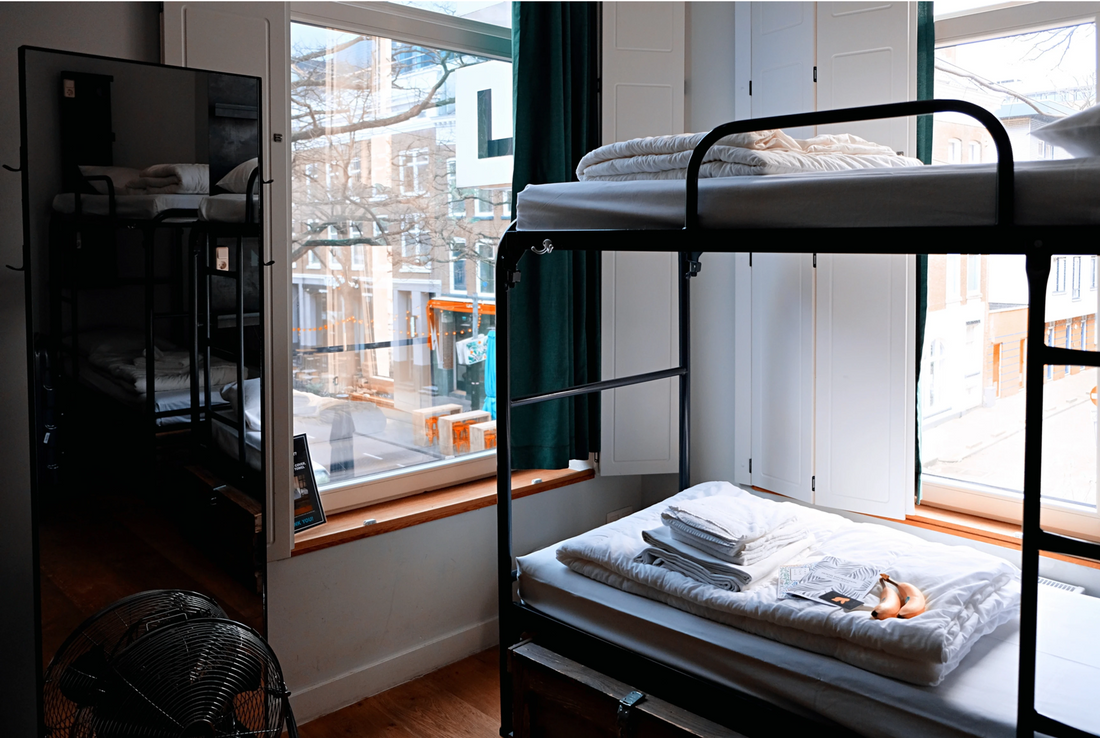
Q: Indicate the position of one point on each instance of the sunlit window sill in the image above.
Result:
(427, 506)
(985, 530)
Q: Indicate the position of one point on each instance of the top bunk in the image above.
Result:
(697, 211)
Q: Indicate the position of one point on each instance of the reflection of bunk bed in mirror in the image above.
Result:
(579, 645)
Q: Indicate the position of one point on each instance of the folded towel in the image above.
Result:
(732, 522)
(172, 179)
(666, 552)
(750, 553)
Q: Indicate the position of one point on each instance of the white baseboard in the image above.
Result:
(325, 697)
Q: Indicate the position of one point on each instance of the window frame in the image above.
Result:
(416, 27)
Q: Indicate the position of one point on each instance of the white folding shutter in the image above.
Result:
(643, 95)
(783, 40)
(254, 39)
(866, 55)
(782, 373)
(866, 397)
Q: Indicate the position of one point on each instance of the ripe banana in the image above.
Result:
(913, 602)
(889, 603)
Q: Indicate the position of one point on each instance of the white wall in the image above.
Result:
(127, 30)
(368, 615)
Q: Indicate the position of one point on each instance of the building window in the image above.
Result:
(343, 83)
(974, 152)
(506, 205)
(954, 151)
(1092, 271)
(486, 283)
(973, 274)
(1075, 280)
(483, 203)
(952, 277)
(1059, 275)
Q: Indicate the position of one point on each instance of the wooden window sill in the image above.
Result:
(985, 530)
(427, 506)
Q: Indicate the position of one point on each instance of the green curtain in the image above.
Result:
(926, 69)
(554, 332)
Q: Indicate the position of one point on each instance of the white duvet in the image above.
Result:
(969, 592)
(762, 152)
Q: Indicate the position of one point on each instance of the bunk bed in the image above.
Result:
(746, 683)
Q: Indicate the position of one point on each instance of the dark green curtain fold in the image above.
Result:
(555, 310)
(926, 69)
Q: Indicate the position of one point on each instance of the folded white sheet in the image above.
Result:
(172, 179)
(762, 152)
(667, 552)
(750, 553)
(731, 521)
(969, 592)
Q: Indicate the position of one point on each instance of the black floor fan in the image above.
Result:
(165, 664)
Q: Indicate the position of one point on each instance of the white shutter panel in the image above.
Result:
(866, 55)
(782, 373)
(866, 397)
(254, 39)
(643, 95)
(783, 60)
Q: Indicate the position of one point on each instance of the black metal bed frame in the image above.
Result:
(755, 716)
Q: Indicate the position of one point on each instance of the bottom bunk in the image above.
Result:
(748, 682)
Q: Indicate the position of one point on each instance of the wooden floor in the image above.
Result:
(458, 701)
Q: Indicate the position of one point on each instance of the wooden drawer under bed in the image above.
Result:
(556, 697)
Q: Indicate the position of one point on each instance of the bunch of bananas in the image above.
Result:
(905, 602)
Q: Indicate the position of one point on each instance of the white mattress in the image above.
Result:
(135, 207)
(176, 399)
(225, 208)
(976, 699)
(1047, 192)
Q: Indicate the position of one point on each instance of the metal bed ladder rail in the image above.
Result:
(1029, 720)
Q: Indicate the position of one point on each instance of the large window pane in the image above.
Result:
(392, 261)
(973, 379)
(1026, 80)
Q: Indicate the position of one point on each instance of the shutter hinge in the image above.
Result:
(750, 88)
(815, 74)
(815, 261)
(750, 258)
(813, 484)
(750, 466)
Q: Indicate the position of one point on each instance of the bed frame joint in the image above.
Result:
(693, 265)
(626, 710)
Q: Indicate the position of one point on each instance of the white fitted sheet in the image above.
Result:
(1061, 192)
(134, 207)
(977, 699)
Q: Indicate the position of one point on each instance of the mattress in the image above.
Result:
(977, 699)
(1047, 193)
(123, 392)
(133, 207)
(225, 208)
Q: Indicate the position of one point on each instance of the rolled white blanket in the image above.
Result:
(172, 179)
(677, 556)
(761, 152)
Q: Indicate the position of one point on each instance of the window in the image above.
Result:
(483, 203)
(486, 269)
(1076, 278)
(1092, 272)
(973, 275)
(387, 359)
(954, 151)
(972, 455)
(506, 205)
(458, 265)
(974, 152)
(952, 277)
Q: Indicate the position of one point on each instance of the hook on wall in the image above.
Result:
(12, 169)
(16, 269)
(267, 181)
(269, 263)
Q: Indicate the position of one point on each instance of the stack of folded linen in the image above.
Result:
(740, 530)
(171, 179)
(726, 542)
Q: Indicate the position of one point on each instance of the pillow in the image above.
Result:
(120, 176)
(251, 401)
(1079, 134)
(237, 180)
